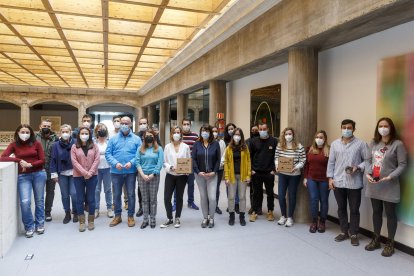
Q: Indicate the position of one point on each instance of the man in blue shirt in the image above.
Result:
(120, 153)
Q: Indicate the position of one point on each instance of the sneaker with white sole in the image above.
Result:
(40, 230)
(282, 220)
(167, 223)
(29, 233)
(110, 213)
(177, 223)
(289, 222)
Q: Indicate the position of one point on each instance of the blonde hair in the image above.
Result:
(282, 140)
(314, 149)
(66, 126)
(98, 127)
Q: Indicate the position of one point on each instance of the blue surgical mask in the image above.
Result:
(125, 128)
(263, 133)
(205, 135)
(346, 133)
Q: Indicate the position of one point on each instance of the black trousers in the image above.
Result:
(391, 213)
(177, 183)
(257, 185)
(344, 196)
(50, 193)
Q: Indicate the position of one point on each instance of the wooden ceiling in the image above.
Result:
(114, 44)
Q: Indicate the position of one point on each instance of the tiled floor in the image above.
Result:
(260, 248)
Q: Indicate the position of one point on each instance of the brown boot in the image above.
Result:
(131, 222)
(82, 226)
(388, 249)
(374, 244)
(91, 222)
(117, 220)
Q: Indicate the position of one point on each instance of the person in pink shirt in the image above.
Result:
(85, 161)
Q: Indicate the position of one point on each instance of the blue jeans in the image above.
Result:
(288, 183)
(68, 191)
(118, 180)
(318, 192)
(83, 185)
(27, 182)
(190, 189)
(104, 175)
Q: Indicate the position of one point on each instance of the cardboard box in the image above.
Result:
(184, 166)
(285, 164)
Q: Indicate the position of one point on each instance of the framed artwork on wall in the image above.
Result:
(56, 121)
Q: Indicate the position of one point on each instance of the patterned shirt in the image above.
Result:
(189, 139)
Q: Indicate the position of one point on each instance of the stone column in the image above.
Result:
(25, 113)
(163, 120)
(139, 113)
(151, 114)
(81, 112)
(217, 100)
(182, 108)
(302, 110)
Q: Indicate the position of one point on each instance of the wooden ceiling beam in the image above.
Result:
(105, 28)
(7, 73)
(168, 7)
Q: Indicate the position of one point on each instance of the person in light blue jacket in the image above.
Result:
(149, 161)
(120, 154)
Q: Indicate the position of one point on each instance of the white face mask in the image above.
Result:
(319, 142)
(288, 137)
(236, 138)
(176, 137)
(65, 136)
(347, 133)
(86, 124)
(230, 132)
(186, 128)
(84, 137)
(384, 131)
(143, 127)
(117, 125)
(24, 136)
(263, 133)
(215, 134)
(205, 135)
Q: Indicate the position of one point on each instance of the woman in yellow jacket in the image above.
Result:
(237, 173)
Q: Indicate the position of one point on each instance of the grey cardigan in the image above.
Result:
(393, 164)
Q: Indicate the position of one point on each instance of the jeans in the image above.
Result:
(104, 175)
(207, 188)
(85, 190)
(118, 180)
(288, 183)
(26, 183)
(68, 192)
(319, 193)
(391, 213)
(238, 188)
(174, 183)
(50, 193)
(257, 184)
(190, 189)
(353, 196)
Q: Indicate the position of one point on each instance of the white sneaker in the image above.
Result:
(110, 213)
(289, 222)
(177, 223)
(29, 233)
(281, 221)
(96, 213)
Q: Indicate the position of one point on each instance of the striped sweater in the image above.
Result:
(190, 138)
(298, 155)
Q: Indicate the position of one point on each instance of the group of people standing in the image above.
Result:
(83, 160)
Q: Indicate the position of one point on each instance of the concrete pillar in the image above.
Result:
(302, 110)
(81, 112)
(151, 114)
(182, 108)
(163, 120)
(217, 100)
(25, 113)
(139, 113)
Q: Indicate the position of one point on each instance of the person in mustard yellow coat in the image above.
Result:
(237, 173)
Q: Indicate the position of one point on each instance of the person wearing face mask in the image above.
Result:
(262, 153)
(288, 181)
(237, 167)
(254, 132)
(104, 171)
(316, 181)
(86, 122)
(120, 154)
(116, 121)
(47, 137)
(149, 161)
(206, 157)
(221, 169)
(346, 165)
(29, 155)
(228, 134)
(387, 161)
(173, 180)
(85, 159)
(61, 170)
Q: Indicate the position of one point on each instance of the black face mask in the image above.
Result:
(149, 139)
(45, 131)
(254, 134)
(102, 133)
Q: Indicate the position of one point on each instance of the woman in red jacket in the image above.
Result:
(316, 181)
(85, 161)
(29, 155)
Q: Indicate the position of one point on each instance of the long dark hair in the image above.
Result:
(393, 131)
(227, 137)
(31, 139)
(242, 143)
(89, 143)
(209, 128)
(144, 144)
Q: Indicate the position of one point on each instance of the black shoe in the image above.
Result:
(139, 213)
(67, 218)
(48, 216)
(75, 218)
(152, 223)
(211, 223)
(231, 219)
(242, 220)
(354, 240)
(167, 223)
(144, 224)
(218, 211)
(236, 208)
(204, 223)
(341, 237)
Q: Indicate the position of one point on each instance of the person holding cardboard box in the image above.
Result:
(176, 176)
(290, 158)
